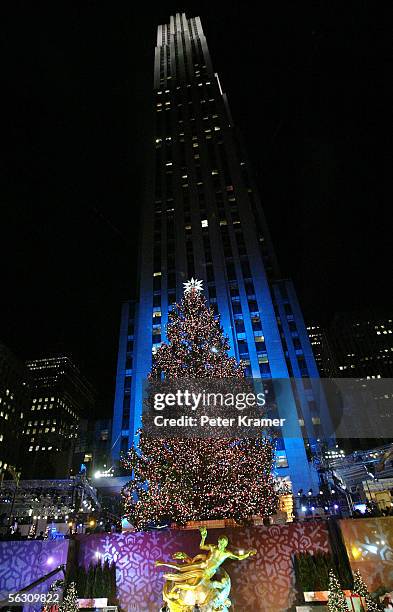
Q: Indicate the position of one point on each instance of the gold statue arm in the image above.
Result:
(177, 566)
(242, 556)
(188, 560)
(202, 545)
(183, 556)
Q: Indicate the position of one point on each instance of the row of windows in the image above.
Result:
(40, 400)
(48, 421)
(43, 407)
(45, 430)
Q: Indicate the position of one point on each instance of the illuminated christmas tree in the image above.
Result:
(197, 347)
(336, 599)
(182, 479)
(70, 600)
(360, 588)
(371, 605)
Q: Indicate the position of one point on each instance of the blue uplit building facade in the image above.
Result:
(203, 218)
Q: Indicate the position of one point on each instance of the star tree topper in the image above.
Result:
(193, 284)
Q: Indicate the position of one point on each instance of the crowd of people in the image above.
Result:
(373, 511)
(12, 533)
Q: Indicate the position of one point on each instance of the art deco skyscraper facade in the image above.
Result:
(203, 218)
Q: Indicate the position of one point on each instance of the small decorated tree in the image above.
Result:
(70, 600)
(336, 599)
(360, 588)
(371, 605)
(54, 588)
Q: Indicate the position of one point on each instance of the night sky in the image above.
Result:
(309, 86)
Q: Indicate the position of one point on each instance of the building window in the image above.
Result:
(124, 445)
(281, 459)
(264, 370)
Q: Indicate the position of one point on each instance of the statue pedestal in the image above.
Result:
(210, 524)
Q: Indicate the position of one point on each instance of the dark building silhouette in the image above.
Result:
(362, 343)
(14, 405)
(322, 349)
(60, 397)
(357, 347)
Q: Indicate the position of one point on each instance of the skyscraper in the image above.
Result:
(14, 403)
(203, 218)
(60, 396)
(323, 353)
(362, 343)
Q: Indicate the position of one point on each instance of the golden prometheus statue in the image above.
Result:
(200, 580)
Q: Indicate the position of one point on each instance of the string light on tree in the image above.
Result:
(193, 331)
(183, 479)
(371, 605)
(70, 600)
(360, 588)
(336, 599)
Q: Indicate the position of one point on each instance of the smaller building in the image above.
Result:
(354, 345)
(14, 405)
(60, 397)
(93, 446)
(323, 353)
(358, 346)
(363, 344)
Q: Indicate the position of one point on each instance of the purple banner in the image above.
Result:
(21, 563)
